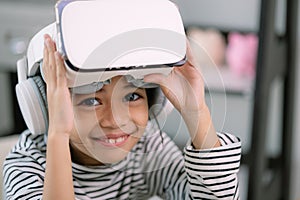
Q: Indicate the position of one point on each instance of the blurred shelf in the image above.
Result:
(224, 80)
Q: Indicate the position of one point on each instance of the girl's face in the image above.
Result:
(108, 123)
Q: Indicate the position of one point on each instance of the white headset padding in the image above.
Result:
(32, 101)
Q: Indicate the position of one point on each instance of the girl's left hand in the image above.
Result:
(184, 87)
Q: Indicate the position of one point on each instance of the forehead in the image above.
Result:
(119, 80)
(97, 86)
(116, 84)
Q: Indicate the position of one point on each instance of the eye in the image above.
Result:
(131, 97)
(90, 102)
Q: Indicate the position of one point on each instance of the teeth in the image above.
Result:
(114, 141)
(120, 139)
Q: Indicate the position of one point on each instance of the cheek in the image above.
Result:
(83, 122)
(85, 117)
(139, 115)
(83, 125)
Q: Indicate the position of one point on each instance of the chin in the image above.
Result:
(110, 156)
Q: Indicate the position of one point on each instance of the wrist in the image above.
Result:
(195, 116)
(60, 136)
(201, 128)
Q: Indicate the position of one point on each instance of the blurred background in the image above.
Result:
(248, 52)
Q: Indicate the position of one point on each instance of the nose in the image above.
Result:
(113, 117)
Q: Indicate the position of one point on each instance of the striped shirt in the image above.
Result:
(154, 167)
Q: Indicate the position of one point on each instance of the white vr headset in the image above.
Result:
(104, 38)
(100, 39)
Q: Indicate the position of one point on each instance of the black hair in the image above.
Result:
(155, 98)
(156, 102)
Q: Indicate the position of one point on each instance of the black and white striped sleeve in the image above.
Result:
(212, 173)
(22, 172)
(23, 179)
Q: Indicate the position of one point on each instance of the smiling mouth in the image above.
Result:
(112, 141)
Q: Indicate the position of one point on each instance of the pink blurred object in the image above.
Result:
(241, 53)
(208, 45)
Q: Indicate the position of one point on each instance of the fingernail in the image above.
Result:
(46, 42)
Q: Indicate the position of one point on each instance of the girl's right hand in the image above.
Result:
(60, 108)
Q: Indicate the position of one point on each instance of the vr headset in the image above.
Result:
(100, 39)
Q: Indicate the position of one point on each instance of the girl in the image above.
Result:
(103, 145)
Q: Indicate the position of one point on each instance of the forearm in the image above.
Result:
(201, 129)
(58, 176)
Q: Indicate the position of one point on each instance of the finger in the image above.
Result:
(45, 62)
(155, 78)
(60, 70)
(51, 44)
(51, 64)
(189, 54)
(190, 68)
